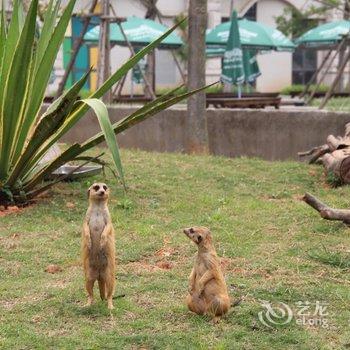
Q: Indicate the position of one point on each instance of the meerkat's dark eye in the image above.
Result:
(96, 187)
(105, 187)
(199, 239)
(191, 230)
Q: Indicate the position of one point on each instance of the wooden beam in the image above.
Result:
(148, 85)
(76, 47)
(339, 48)
(178, 65)
(336, 80)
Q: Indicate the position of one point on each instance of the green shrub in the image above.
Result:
(296, 89)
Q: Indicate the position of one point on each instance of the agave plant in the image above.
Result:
(26, 61)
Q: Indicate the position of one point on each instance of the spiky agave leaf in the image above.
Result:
(135, 118)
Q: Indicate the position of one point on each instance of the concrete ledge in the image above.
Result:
(268, 134)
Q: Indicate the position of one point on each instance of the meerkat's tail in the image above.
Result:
(102, 288)
(219, 306)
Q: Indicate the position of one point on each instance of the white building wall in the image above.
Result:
(276, 67)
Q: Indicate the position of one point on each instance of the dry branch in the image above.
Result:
(327, 212)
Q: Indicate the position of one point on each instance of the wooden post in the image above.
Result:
(336, 80)
(178, 65)
(76, 47)
(148, 85)
(104, 68)
(314, 76)
(341, 44)
(196, 129)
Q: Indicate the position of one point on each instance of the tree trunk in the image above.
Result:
(325, 211)
(150, 74)
(197, 135)
(334, 155)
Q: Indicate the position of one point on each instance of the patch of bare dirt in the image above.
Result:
(10, 242)
(12, 268)
(9, 304)
(163, 259)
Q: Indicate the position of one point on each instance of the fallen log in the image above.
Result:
(327, 212)
(334, 155)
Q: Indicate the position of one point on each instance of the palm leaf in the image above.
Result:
(43, 71)
(16, 87)
(63, 158)
(47, 125)
(137, 117)
(101, 112)
(9, 50)
(47, 30)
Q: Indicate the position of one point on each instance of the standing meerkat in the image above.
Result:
(98, 249)
(207, 288)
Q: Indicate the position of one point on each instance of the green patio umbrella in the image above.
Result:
(253, 35)
(232, 65)
(139, 31)
(325, 35)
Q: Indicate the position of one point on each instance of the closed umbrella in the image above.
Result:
(325, 35)
(250, 65)
(232, 65)
(139, 31)
(254, 35)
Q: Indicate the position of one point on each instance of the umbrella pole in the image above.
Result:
(132, 88)
(313, 78)
(339, 48)
(239, 90)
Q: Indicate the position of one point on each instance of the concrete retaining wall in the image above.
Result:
(269, 134)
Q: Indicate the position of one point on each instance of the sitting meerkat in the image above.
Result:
(98, 249)
(207, 288)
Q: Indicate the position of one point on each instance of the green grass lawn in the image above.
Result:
(274, 247)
